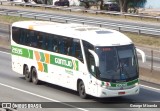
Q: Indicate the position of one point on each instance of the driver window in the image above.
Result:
(89, 58)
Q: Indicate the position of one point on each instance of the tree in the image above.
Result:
(125, 4)
(101, 4)
(89, 3)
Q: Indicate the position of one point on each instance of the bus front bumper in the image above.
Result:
(104, 92)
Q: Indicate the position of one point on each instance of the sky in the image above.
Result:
(152, 4)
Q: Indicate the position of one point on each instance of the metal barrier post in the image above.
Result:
(119, 29)
(151, 60)
(139, 32)
(9, 32)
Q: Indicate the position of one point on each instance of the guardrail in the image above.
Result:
(152, 55)
(141, 16)
(152, 58)
(101, 23)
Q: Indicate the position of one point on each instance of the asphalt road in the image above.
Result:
(13, 88)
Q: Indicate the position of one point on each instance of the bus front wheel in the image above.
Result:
(27, 74)
(81, 90)
(34, 76)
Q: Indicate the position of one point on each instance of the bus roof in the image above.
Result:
(94, 35)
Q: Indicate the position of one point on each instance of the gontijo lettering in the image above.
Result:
(63, 62)
(121, 85)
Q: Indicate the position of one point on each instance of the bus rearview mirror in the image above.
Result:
(96, 58)
(142, 54)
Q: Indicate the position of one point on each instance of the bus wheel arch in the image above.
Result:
(27, 73)
(81, 89)
(34, 75)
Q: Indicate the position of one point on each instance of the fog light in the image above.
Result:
(136, 84)
(104, 93)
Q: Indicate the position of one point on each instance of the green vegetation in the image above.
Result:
(11, 19)
(126, 4)
(146, 40)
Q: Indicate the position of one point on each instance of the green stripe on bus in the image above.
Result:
(42, 57)
(63, 62)
(45, 67)
(132, 82)
(31, 54)
(22, 52)
(124, 83)
(55, 60)
(77, 68)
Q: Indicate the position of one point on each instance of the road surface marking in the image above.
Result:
(53, 100)
(150, 87)
(5, 52)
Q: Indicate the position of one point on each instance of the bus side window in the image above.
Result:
(23, 37)
(91, 63)
(39, 40)
(47, 42)
(44, 41)
(61, 45)
(68, 46)
(16, 34)
(33, 38)
(89, 57)
(50, 43)
(28, 38)
(64, 45)
(55, 44)
(76, 50)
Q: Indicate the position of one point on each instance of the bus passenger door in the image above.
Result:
(92, 73)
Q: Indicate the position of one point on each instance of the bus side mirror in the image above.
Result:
(96, 58)
(142, 54)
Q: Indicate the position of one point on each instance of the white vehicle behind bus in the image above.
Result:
(91, 60)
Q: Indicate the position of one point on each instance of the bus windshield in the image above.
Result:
(117, 63)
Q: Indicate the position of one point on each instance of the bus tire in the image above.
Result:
(34, 76)
(27, 74)
(81, 90)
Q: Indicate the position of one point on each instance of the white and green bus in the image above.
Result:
(91, 60)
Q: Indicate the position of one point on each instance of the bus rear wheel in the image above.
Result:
(34, 76)
(27, 74)
(81, 90)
